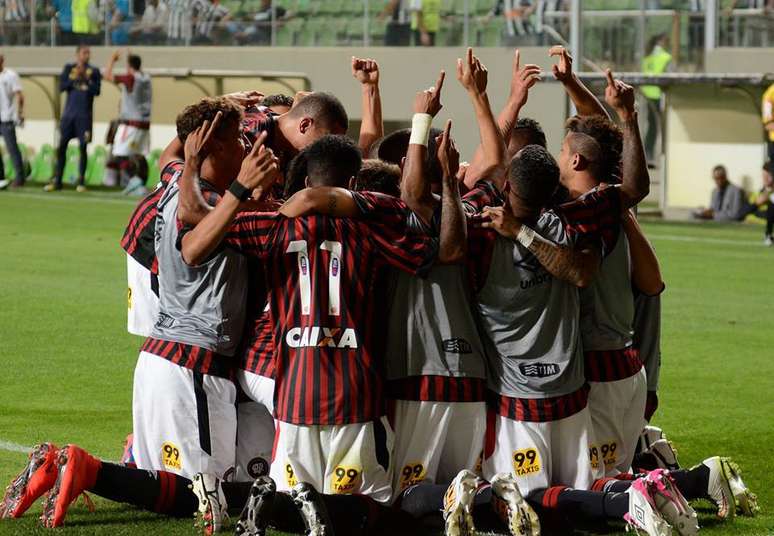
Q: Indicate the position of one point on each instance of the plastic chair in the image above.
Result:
(43, 164)
(154, 173)
(72, 164)
(95, 168)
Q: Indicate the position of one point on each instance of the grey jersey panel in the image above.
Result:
(647, 335)
(136, 104)
(431, 327)
(607, 305)
(198, 305)
(530, 321)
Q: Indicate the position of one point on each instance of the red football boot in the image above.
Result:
(35, 480)
(77, 472)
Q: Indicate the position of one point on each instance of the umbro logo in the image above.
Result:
(164, 321)
(457, 346)
(539, 370)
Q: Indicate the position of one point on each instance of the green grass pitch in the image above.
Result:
(67, 361)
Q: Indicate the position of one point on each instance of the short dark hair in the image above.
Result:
(378, 176)
(609, 138)
(194, 115)
(80, 46)
(720, 167)
(277, 100)
(768, 167)
(332, 161)
(325, 109)
(295, 176)
(134, 61)
(531, 129)
(393, 147)
(533, 175)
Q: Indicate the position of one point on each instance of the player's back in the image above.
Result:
(322, 272)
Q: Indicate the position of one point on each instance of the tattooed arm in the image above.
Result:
(577, 264)
(326, 200)
(453, 242)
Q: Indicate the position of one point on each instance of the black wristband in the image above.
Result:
(239, 191)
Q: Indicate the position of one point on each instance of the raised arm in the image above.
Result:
(366, 71)
(259, 170)
(473, 76)
(584, 100)
(415, 188)
(108, 74)
(453, 243)
(646, 272)
(636, 179)
(522, 79)
(576, 264)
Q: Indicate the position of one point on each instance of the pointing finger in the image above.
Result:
(609, 76)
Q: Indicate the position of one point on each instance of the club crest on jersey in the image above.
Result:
(321, 337)
(539, 370)
(303, 265)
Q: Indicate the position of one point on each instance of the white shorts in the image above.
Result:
(259, 388)
(436, 440)
(618, 416)
(142, 302)
(542, 454)
(337, 459)
(130, 141)
(184, 422)
(255, 440)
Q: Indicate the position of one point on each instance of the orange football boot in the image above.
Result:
(77, 472)
(35, 480)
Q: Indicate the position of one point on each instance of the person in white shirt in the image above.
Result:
(11, 115)
(151, 28)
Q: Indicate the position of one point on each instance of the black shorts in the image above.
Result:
(76, 127)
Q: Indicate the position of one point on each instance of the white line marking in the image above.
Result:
(10, 446)
(702, 240)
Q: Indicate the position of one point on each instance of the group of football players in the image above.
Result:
(374, 337)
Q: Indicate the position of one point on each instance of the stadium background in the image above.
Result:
(68, 360)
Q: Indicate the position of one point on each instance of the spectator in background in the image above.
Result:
(425, 21)
(517, 14)
(207, 14)
(728, 202)
(179, 22)
(259, 31)
(767, 116)
(16, 19)
(82, 82)
(656, 62)
(764, 202)
(127, 165)
(11, 114)
(86, 21)
(119, 22)
(62, 10)
(150, 30)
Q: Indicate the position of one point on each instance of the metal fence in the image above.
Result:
(613, 32)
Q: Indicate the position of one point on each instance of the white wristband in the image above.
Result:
(420, 129)
(525, 236)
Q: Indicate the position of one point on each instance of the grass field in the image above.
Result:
(67, 360)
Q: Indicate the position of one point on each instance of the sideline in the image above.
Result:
(10, 446)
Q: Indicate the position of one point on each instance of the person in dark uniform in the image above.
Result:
(81, 81)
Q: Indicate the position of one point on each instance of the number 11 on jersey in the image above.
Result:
(305, 279)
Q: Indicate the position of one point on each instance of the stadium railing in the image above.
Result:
(615, 31)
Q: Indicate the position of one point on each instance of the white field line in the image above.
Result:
(703, 240)
(10, 446)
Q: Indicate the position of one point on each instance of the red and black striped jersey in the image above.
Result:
(322, 276)
(483, 194)
(595, 216)
(259, 119)
(258, 357)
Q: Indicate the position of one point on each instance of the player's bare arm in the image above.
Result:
(646, 272)
(415, 189)
(259, 170)
(636, 180)
(192, 207)
(366, 71)
(108, 74)
(453, 243)
(327, 200)
(578, 264)
(473, 76)
(522, 80)
(584, 100)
